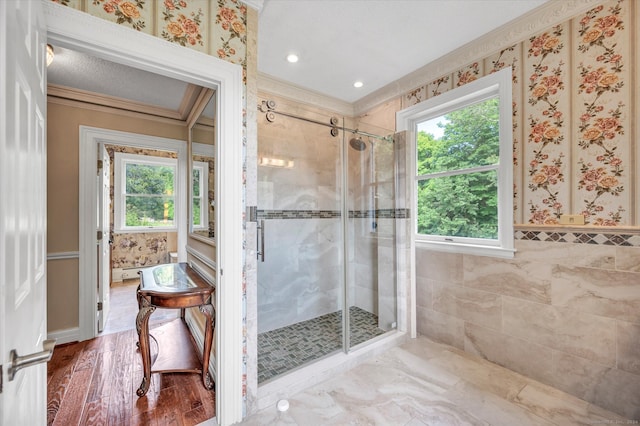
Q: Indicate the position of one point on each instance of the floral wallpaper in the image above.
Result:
(215, 27)
(571, 117)
(139, 250)
(512, 56)
(545, 126)
(134, 14)
(181, 22)
(603, 78)
(231, 28)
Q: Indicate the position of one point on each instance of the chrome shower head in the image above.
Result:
(358, 144)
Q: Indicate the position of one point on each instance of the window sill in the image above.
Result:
(477, 250)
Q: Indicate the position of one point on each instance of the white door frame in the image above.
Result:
(80, 31)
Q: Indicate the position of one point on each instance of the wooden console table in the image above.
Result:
(174, 286)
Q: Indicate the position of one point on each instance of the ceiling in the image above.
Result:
(373, 41)
(337, 41)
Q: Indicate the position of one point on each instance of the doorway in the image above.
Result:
(76, 30)
(138, 198)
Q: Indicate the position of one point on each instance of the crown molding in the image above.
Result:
(87, 97)
(254, 4)
(269, 84)
(112, 110)
(549, 14)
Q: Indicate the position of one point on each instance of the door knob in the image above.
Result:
(20, 362)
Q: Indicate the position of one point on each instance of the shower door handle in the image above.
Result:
(260, 242)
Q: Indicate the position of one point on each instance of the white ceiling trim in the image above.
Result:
(254, 4)
(274, 86)
(547, 15)
(92, 98)
(111, 110)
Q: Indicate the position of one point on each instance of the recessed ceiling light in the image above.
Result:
(358, 84)
(293, 58)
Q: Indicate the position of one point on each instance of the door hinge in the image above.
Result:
(99, 235)
(99, 164)
(1, 375)
(99, 306)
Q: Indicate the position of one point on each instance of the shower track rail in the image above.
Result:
(269, 108)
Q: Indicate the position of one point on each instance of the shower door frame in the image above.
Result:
(344, 226)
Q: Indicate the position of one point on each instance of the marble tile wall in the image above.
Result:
(566, 314)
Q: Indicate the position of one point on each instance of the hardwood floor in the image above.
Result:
(95, 382)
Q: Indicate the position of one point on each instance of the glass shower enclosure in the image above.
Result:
(326, 247)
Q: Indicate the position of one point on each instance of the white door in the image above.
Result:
(23, 173)
(104, 234)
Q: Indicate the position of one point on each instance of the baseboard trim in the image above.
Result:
(65, 336)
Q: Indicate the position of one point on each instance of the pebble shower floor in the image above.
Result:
(289, 347)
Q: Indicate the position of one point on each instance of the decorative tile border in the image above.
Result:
(623, 238)
(333, 214)
(626, 237)
(298, 214)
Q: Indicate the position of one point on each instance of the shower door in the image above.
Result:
(326, 217)
(371, 290)
(301, 268)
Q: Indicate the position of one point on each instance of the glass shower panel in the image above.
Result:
(371, 233)
(301, 277)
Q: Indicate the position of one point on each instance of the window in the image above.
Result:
(200, 210)
(144, 192)
(463, 169)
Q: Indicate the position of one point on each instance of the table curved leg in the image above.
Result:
(142, 326)
(210, 320)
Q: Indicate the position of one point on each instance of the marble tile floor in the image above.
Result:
(124, 308)
(426, 383)
(290, 347)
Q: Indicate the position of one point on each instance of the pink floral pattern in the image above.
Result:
(601, 125)
(231, 22)
(181, 21)
(546, 127)
(511, 57)
(125, 12)
(415, 96)
(468, 74)
(439, 86)
(181, 27)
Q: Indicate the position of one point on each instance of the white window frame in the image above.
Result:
(203, 166)
(498, 85)
(121, 159)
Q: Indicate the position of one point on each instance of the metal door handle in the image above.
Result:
(260, 252)
(20, 362)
